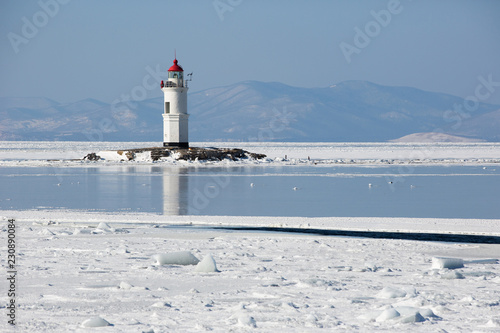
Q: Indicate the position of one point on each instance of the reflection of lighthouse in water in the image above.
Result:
(182, 197)
(175, 191)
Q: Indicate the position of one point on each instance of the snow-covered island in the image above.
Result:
(186, 154)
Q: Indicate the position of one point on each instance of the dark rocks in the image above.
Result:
(130, 154)
(257, 156)
(214, 154)
(92, 157)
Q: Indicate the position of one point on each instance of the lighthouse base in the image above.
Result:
(191, 154)
(176, 144)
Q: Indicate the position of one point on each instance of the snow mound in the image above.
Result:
(79, 231)
(161, 305)
(111, 155)
(176, 258)
(450, 263)
(105, 228)
(207, 265)
(414, 318)
(387, 314)
(410, 310)
(96, 322)
(47, 232)
(389, 292)
(120, 250)
(491, 323)
(125, 285)
(402, 314)
(245, 320)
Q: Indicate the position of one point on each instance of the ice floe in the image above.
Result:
(176, 258)
(207, 265)
(450, 263)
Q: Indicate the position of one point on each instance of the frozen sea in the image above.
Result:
(136, 246)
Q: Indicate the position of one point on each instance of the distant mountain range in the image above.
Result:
(350, 111)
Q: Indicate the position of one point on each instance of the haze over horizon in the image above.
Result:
(72, 50)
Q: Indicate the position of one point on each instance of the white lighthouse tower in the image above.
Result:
(175, 116)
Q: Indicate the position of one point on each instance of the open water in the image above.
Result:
(310, 191)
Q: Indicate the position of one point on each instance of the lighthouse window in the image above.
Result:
(167, 107)
(174, 75)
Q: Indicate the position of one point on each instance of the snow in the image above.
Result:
(139, 272)
(389, 224)
(265, 281)
(389, 292)
(125, 285)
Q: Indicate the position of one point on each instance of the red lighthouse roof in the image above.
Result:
(175, 67)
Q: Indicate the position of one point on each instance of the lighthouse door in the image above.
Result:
(167, 107)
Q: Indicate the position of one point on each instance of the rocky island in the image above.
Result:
(187, 154)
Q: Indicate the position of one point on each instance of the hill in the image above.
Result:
(258, 111)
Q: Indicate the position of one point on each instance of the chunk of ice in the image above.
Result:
(207, 265)
(105, 227)
(450, 263)
(387, 314)
(96, 322)
(246, 320)
(176, 258)
(389, 292)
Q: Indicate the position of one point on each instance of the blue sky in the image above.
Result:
(69, 50)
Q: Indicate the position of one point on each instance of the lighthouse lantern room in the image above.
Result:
(175, 116)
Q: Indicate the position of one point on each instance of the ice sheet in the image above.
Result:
(70, 275)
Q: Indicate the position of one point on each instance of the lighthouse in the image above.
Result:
(175, 116)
